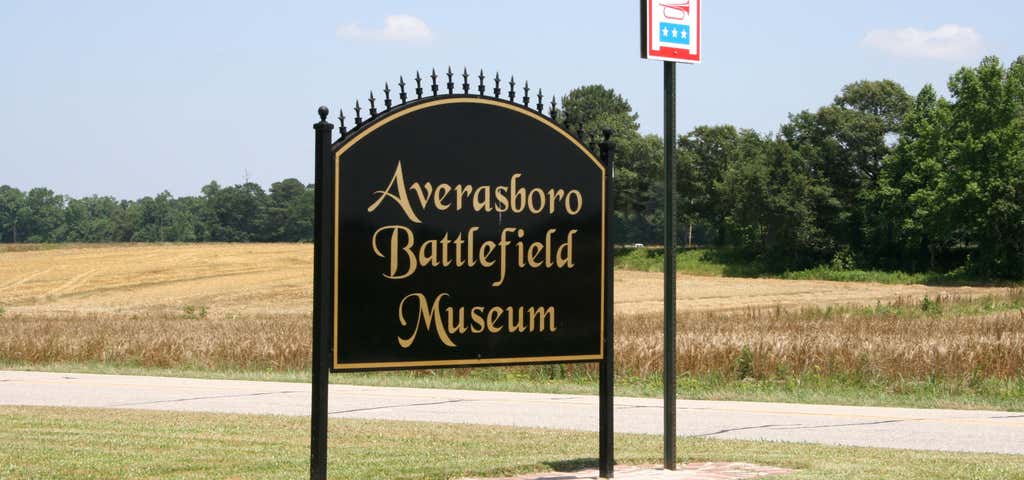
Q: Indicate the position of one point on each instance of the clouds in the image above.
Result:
(948, 42)
(397, 28)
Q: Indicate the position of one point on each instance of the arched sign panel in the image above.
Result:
(468, 231)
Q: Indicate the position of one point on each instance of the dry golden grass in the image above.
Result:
(248, 306)
(956, 338)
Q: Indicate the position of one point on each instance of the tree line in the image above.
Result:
(238, 213)
(876, 179)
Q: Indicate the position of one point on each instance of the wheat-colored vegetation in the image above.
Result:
(247, 306)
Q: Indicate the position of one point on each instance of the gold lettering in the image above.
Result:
(428, 254)
(516, 324)
(401, 198)
(461, 327)
(486, 249)
(442, 192)
(444, 251)
(394, 250)
(503, 243)
(493, 315)
(482, 199)
(535, 250)
(564, 255)
(476, 314)
(501, 199)
(547, 247)
(428, 316)
(518, 195)
(462, 191)
(538, 314)
(573, 194)
(471, 260)
(422, 192)
(553, 197)
(534, 208)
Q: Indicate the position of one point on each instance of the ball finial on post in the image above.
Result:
(323, 112)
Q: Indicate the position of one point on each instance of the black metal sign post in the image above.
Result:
(606, 414)
(323, 226)
(670, 267)
(461, 229)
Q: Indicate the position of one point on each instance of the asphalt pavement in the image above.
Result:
(921, 429)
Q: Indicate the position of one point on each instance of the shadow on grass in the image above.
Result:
(573, 465)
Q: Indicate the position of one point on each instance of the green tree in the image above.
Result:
(236, 213)
(639, 195)
(638, 159)
(596, 108)
(92, 219)
(289, 211)
(844, 144)
(704, 156)
(912, 227)
(984, 179)
(42, 215)
(12, 201)
(770, 200)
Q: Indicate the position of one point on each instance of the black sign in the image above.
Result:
(468, 231)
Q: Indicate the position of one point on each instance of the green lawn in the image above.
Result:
(726, 263)
(61, 443)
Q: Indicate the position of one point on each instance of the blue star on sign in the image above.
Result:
(674, 33)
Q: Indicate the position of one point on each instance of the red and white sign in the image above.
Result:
(670, 30)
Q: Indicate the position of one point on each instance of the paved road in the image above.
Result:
(953, 430)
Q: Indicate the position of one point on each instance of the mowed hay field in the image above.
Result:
(248, 306)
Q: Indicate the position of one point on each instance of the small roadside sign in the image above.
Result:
(670, 30)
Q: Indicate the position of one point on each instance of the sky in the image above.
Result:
(132, 98)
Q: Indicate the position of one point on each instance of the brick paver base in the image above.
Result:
(690, 471)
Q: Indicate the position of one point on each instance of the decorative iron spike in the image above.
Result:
(451, 86)
(359, 120)
(512, 89)
(433, 81)
(401, 87)
(465, 81)
(526, 94)
(553, 113)
(373, 108)
(497, 85)
(540, 100)
(481, 88)
(342, 129)
(387, 96)
(419, 86)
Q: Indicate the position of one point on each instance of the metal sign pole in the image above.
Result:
(606, 409)
(670, 267)
(321, 295)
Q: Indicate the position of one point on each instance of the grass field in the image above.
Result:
(61, 443)
(729, 263)
(244, 309)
